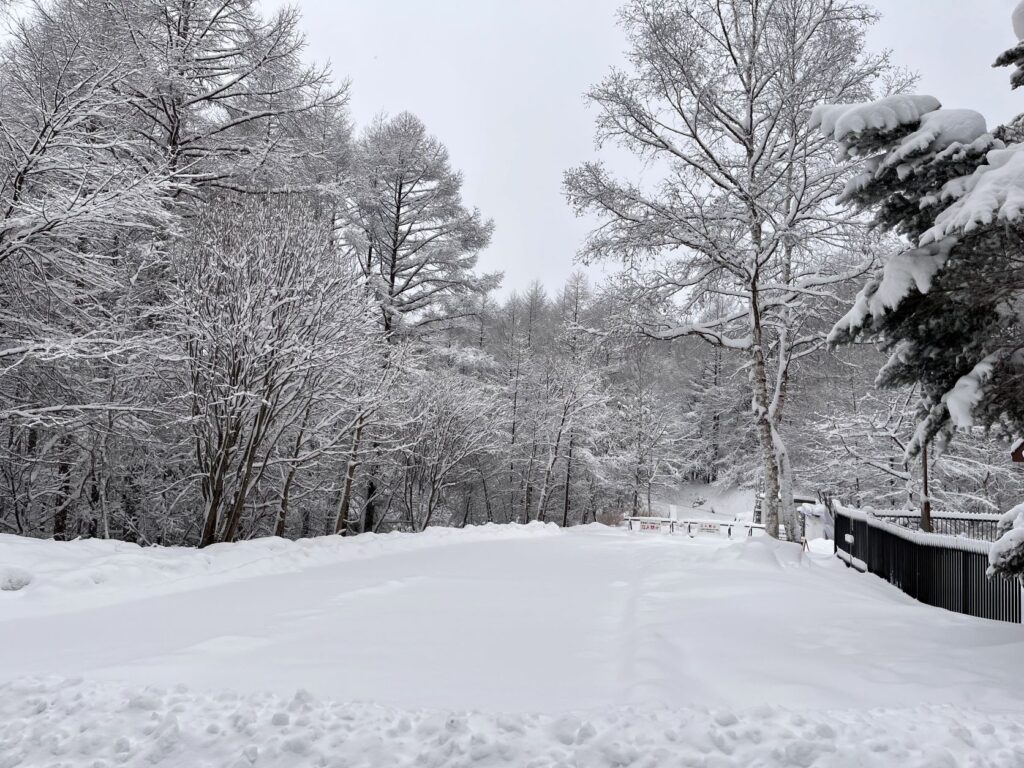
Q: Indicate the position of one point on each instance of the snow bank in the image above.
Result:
(78, 725)
(38, 575)
(840, 120)
(1018, 21)
(994, 192)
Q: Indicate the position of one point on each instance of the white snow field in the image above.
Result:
(518, 646)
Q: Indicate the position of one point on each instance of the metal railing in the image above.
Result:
(940, 570)
(973, 526)
(692, 527)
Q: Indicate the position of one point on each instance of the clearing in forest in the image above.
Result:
(494, 646)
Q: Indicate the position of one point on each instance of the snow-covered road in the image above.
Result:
(530, 623)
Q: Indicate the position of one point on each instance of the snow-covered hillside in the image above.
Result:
(486, 647)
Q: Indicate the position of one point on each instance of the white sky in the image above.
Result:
(500, 82)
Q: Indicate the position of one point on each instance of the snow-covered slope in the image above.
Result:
(698, 501)
(513, 647)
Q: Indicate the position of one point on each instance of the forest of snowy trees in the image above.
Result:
(228, 312)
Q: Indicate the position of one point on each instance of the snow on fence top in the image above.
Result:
(980, 517)
(918, 537)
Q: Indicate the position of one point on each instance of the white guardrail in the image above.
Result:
(693, 527)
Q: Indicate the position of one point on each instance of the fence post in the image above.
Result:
(965, 577)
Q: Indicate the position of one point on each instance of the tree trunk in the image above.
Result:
(568, 482)
(369, 511)
(129, 513)
(545, 489)
(926, 502)
(282, 517)
(716, 420)
(759, 404)
(341, 523)
(210, 526)
(63, 501)
(487, 496)
(790, 519)
(282, 513)
(512, 446)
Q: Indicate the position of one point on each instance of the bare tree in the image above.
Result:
(267, 321)
(221, 92)
(717, 101)
(415, 241)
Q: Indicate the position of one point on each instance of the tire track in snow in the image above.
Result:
(649, 668)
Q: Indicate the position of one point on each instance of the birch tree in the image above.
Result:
(716, 101)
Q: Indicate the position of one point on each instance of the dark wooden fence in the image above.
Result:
(944, 571)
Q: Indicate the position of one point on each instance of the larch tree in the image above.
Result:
(221, 92)
(78, 203)
(716, 101)
(416, 245)
(416, 242)
(654, 420)
(118, 118)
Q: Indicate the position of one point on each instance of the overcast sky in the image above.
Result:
(500, 82)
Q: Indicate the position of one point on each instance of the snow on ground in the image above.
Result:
(494, 647)
(48, 576)
(71, 726)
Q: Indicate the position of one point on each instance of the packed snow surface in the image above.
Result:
(518, 646)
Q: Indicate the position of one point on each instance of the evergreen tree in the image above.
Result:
(947, 305)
